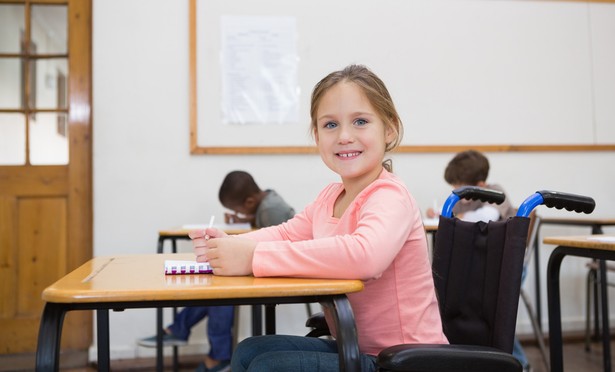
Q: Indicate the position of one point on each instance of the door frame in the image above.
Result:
(73, 180)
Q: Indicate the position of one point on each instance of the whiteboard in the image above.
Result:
(461, 72)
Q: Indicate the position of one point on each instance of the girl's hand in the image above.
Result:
(200, 238)
(229, 256)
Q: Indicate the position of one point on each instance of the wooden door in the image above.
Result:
(45, 164)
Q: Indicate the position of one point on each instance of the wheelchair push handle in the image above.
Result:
(558, 200)
(471, 193)
(479, 193)
(570, 202)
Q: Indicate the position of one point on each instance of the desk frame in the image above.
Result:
(553, 295)
(50, 332)
(596, 226)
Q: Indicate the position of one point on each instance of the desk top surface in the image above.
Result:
(182, 231)
(142, 278)
(431, 225)
(603, 242)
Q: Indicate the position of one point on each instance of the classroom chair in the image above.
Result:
(593, 287)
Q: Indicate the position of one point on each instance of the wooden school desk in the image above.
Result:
(596, 225)
(138, 281)
(580, 246)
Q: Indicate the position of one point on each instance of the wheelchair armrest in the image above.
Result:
(318, 324)
(420, 357)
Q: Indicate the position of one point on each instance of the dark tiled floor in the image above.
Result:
(575, 357)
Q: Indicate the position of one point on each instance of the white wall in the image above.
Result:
(483, 60)
(145, 178)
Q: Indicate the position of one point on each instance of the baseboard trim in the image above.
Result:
(27, 361)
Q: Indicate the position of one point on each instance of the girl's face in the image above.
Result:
(350, 135)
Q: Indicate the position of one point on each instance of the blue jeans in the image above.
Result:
(519, 353)
(219, 327)
(291, 353)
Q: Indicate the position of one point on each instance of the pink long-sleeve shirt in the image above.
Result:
(380, 239)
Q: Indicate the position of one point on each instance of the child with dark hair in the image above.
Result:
(471, 168)
(261, 208)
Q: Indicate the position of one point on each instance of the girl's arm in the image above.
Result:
(232, 255)
(361, 246)
(385, 220)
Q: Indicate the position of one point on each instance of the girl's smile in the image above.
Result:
(349, 154)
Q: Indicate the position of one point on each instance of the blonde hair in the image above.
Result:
(376, 93)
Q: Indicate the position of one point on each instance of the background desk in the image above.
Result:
(580, 246)
(595, 224)
(138, 281)
(431, 228)
(173, 235)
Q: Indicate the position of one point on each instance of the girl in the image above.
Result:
(367, 227)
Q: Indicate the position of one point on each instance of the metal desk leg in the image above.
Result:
(257, 320)
(597, 229)
(159, 360)
(160, 246)
(175, 347)
(102, 333)
(49, 335)
(606, 336)
(159, 347)
(270, 319)
(596, 289)
(308, 308)
(175, 357)
(347, 340)
(555, 313)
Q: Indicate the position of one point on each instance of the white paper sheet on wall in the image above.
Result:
(259, 70)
